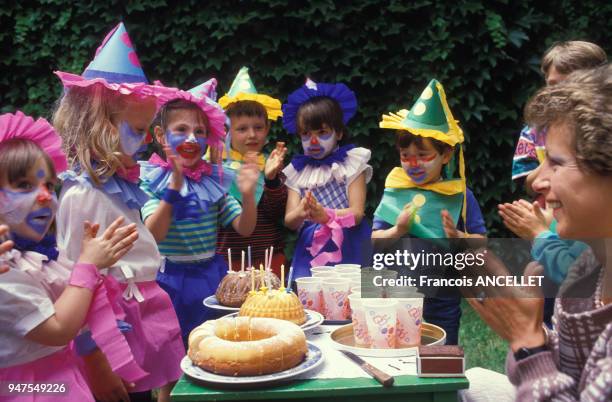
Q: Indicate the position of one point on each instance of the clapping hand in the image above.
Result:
(104, 251)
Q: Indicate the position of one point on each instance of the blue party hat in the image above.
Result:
(115, 59)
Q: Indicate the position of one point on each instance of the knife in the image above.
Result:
(385, 379)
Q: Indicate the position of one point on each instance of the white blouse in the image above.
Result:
(27, 293)
(80, 202)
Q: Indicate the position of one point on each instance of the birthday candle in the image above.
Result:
(242, 262)
(289, 279)
(261, 271)
(229, 259)
(252, 280)
(270, 260)
(249, 255)
(282, 276)
(266, 257)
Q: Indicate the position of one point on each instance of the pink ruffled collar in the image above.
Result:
(194, 173)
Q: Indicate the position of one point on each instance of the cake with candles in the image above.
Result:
(235, 286)
(279, 303)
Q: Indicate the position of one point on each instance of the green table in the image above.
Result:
(406, 388)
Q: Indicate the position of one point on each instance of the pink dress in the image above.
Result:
(154, 341)
(27, 293)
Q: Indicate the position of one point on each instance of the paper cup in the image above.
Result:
(349, 275)
(360, 327)
(409, 319)
(348, 270)
(335, 298)
(309, 292)
(323, 274)
(353, 266)
(321, 268)
(381, 319)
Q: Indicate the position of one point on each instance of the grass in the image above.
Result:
(482, 347)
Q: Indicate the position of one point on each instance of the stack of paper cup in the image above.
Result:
(309, 292)
(360, 327)
(409, 315)
(381, 319)
(335, 298)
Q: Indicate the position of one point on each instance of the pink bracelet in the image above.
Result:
(85, 275)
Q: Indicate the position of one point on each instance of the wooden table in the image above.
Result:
(406, 388)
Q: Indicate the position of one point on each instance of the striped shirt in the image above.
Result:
(194, 237)
(268, 231)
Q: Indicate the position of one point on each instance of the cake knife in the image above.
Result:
(385, 379)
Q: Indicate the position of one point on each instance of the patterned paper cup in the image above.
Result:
(409, 319)
(360, 327)
(381, 319)
(309, 293)
(335, 298)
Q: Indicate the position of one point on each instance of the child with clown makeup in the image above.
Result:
(189, 200)
(421, 198)
(43, 304)
(103, 117)
(251, 115)
(327, 184)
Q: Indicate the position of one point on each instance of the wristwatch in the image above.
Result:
(523, 353)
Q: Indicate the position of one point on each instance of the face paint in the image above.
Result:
(40, 174)
(421, 169)
(188, 147)
(14, 206)
(40, 219)
(131, 141)
(319, 146)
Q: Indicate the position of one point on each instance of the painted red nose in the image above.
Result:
(314, 140)
(44, 195)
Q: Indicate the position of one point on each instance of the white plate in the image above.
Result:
(212, 302)
(313, 359)
(313, 319)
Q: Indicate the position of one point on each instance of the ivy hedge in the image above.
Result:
(486, 54)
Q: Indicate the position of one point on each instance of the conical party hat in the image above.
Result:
(115, 59)
(430, 116)
(207, 88)
(243, 89)
(116, 67)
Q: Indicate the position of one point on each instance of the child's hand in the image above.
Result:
(450, 229)
(5, 246)
(405, 218)
(316, 210)
(105, 384)
(106, 250)
(274, 164)
(247, 179)
(176, 181)
(523, 219)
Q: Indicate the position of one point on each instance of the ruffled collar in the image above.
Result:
(299, 162)
(47, 246)
(194, 173)
(208, 190)
(238, 157)
(130, 193)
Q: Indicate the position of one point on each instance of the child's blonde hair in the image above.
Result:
(85, 118)
(572, 55)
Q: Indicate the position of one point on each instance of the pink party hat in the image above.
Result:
(116, 66)
(39, 131)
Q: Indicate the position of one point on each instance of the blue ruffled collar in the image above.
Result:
(130, 193)
(299, 162)
(207, 191)
(46, 246)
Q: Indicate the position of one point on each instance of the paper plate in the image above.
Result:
(212, 302)
(313, 319)
(342, 338)
(313, 359)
